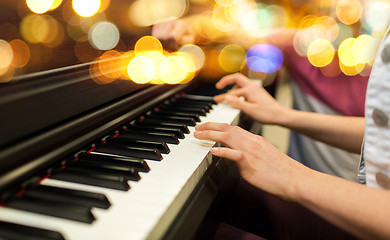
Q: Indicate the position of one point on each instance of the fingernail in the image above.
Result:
(196, 133)
(214, 150)
(228, 98)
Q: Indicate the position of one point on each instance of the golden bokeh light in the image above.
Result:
(351, 70)
(320, 52)
(21, 53)
(42, 29)
(147, 43)
(6, 55)
(86, 8)
(348, 11)
(232, 58)
(364, 49)
(39, 6)
(56, 4)
(345, 53)
(148, 12)
(141, 69)
(174, 69)
(196, 53)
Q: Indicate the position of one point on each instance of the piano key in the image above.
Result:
(120, 141)
(144, 153)
(52, 208)
(12, 231)
(147, 210)
(114, 161)
(175, 113)
(149, 136)
(88, 199)
(177, 131)
(193, 104)
(182, 127)
(199, 111)
(174, 119)
(102, 180)
(88, 167)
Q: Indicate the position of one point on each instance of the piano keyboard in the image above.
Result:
(140, 204)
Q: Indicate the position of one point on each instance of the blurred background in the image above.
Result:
(229, 36)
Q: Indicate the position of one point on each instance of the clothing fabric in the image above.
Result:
(376, 149)
(315, 92)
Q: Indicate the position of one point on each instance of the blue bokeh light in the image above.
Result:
(264, 58)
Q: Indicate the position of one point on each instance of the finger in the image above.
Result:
(235, 78)
(232, 154)
(235, 92)
(212, 126)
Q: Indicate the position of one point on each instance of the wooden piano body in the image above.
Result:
(48, 117)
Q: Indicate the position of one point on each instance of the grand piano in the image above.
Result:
(81, 160)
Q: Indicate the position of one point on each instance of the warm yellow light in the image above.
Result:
(351, 70)
(147, 43)
(21, 53)
(348, 11)
(320, 52)
(174, 70)
(345, 53)
(86, 8)
(56, 4)
(39, 6)
(196, 53)
(364, 48)
(141, 69)
(232, 58)
(6, 55)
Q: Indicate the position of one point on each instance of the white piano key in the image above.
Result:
(148, 208)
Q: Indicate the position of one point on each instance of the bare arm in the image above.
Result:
(343, 132)
(355, 208)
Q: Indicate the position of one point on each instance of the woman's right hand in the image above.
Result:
(257, 102)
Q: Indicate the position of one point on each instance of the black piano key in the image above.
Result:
(144, 123)
(185, 109)
(174, 119)
(170, 130)
(209, 103)
(161, 146)
(144, 153)
(93, 179)
(128, 174)
(78, 197)
(52, 208)
(125, 162)
(182, 103)
(177, 114)
(149, 136)
(12, 231)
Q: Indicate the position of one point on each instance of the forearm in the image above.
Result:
(339, 131)
(353, 207)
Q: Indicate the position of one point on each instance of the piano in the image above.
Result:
(81, 160)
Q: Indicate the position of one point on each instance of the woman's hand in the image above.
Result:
(259, 162)
(257, 102)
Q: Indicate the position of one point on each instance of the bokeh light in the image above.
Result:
(21, 53)
(86, 8)
(348, 11)
(148, 12)
(147, 43)
(196, 53)
(320, 52)
(6, 55)
(264, 58)
(104, 35)
(39, 6)
(141, 69)
(232, 58)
